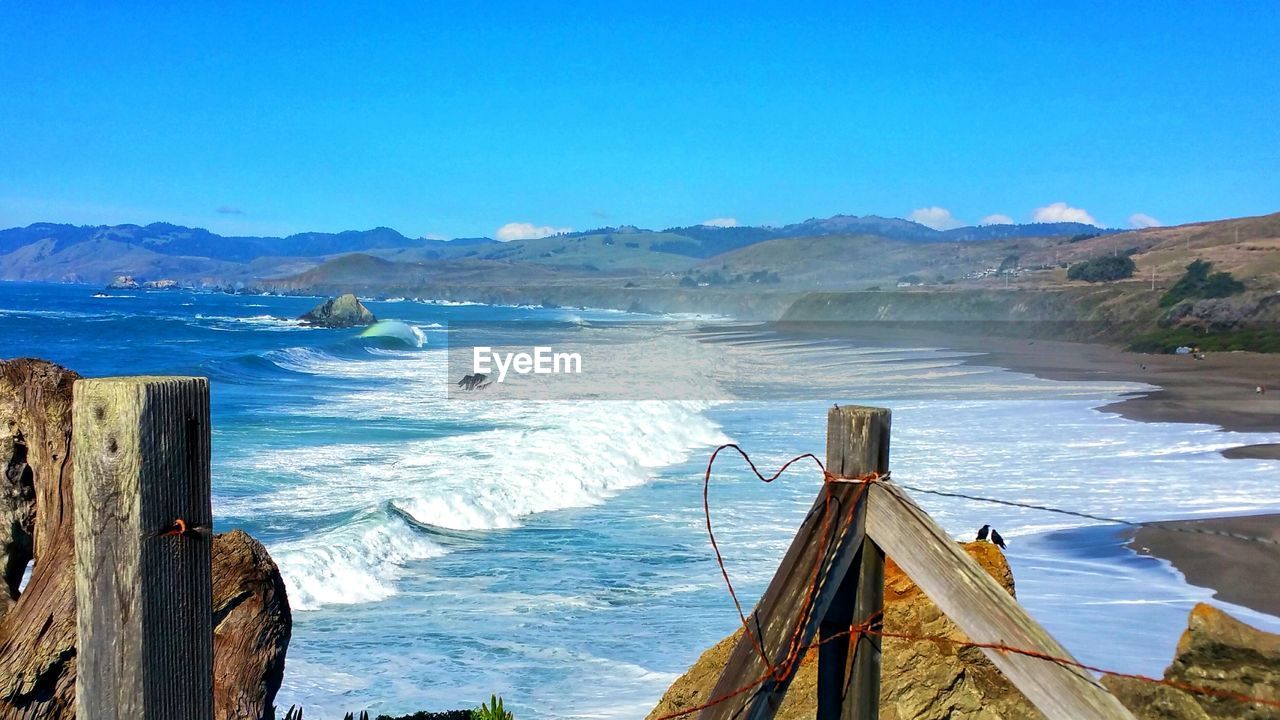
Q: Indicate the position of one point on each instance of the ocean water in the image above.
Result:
(437, 550)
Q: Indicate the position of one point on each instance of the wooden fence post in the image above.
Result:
(143, 592)
(857, 443)
(859, 438)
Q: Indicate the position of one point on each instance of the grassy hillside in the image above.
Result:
(1037, 295)
(598, 251)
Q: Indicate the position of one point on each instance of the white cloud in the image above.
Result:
(1062, 212)
(996, 219)
(720, 222)
(1143, 220)
(527, 231)
(935, 217)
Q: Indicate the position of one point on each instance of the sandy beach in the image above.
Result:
(1220, 389)
(1239, 571)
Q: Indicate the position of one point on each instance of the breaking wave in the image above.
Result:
(473, 467)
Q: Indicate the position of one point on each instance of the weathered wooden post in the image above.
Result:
(142, 530)
(857, 444)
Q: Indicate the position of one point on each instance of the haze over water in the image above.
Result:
(437, 549)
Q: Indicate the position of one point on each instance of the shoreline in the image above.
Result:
(1218, 390)
(1238, 571)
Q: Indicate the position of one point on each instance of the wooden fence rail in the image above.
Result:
(850, 591)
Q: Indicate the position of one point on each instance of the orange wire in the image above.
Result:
(796, 650)
(179, 528)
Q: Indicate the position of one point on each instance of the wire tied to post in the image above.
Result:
(180, 528)
(874, 625)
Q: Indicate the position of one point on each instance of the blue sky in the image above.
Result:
(459, 118)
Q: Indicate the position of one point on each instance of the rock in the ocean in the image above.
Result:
(340, 312)
(123, 282)
(926, 680)
(1216, 652)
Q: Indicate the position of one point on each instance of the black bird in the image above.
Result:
(995, 538)
(982, 532)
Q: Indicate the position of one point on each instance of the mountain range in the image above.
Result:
(71, 253)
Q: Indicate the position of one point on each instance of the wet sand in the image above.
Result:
(1238, 571)
(1218, 390)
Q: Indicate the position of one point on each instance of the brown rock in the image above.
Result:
(1216, 652)
(926, 680)
(38, 633)
(252, 625)
(1148, 701)
(37, 630)
(343, 311)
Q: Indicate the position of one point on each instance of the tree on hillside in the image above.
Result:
(1103, 269)
(1198, 282)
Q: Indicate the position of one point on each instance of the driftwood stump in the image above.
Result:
(252, 622)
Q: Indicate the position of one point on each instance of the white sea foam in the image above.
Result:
(533, 457)
(358, 563)
(554, 456)
(266, 322)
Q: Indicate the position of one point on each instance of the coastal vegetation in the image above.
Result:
(1163, 340)
(1199, 282)
(1103, 269)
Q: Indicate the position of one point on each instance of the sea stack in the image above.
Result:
(341, 312)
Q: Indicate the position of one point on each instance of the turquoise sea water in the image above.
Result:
(439, 550)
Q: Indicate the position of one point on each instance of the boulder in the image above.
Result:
(252, 623)
(252, 626)
(926, 680)
(340, 312)
(1216, 652)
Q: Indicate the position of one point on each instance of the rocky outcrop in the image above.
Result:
(340, 312)
(925, 680)
(123, 282)
(1216, 652)
(1217, 314)
(37, 626)
(38, 631)
(252, 625)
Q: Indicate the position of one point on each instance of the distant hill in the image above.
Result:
(48, 251)
(60, 252)
(168, 239)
